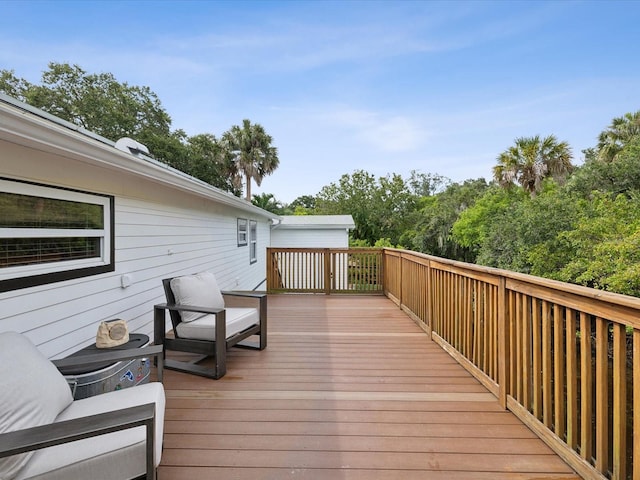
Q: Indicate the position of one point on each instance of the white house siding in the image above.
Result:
(159, 232)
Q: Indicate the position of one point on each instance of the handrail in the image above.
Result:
(563, 358)
(556, 355)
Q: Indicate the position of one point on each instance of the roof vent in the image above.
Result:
(129, 145)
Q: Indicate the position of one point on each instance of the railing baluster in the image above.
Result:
(572, 380)
(619, 402)
(536, 326)
(636, 403)
(586, 388)
(526, 353)
(558, 372)
(602, 403)
(547, 413)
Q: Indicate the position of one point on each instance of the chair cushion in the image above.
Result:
(237, 320)
(118, 455)
(199, 290)
(33, 392)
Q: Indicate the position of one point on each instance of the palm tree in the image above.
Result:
(621, 131)
(268, 202)
(532, 159)
(250, 149)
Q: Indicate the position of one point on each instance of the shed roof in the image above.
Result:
(318, 222)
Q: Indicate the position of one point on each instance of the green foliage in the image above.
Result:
(621, 176)
(380, 208)
(267, 201)
(585, 230)
(605, 244)
(97, 102)
(436, 215)
(358, 243)
(613, 140)
(101, 104)
(474, 224)
(427, 184)
(300, 210)
(532, 159)
(251, 152)
(307, 202)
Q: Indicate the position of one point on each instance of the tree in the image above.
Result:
(476, 223)
(252, 152)
(427, 184)
(207, 160)
(354, 195)
(531, 160)
(267, 201)
(605, 245)
(621, 131)
(436, 215)
(307, 202)
(621, 176)
(101, 104)
(381, 208)
(96, 102)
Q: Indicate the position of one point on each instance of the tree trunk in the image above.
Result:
(248, 182)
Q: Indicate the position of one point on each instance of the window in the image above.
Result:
(242, 232)
(51, 234)
(253, 241)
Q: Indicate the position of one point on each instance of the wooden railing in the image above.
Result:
(565, 359)
(324, 270)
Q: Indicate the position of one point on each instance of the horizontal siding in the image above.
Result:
(158, 233)
(310, 238)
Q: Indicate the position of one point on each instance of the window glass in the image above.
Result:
(50, 234)
(242, 232)
(253, 239)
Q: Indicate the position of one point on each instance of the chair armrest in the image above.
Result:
(188, 308)
(114, 356)
(57, 433)
(244, 294)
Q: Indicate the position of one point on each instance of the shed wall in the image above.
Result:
(309, 238)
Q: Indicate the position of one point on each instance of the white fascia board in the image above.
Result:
(23, 127)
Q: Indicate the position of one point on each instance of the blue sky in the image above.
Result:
(385, 87)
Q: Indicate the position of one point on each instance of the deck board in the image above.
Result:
(348, 388)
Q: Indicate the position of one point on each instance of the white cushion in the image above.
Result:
(237, 320)
(33, 392)
(118, 455)
(199, 290)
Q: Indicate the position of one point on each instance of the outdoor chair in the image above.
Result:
(204, 326)
(45, 434)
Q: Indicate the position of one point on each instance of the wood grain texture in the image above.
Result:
(348, 388)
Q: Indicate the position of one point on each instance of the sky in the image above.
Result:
(388, 87)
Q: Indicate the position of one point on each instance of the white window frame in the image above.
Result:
(29, 275)
(253, 241)
(243, 232)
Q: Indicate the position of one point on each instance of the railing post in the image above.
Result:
(429, 293)
(269, 263)
(327, 271)
(400, 282)
(503, 351)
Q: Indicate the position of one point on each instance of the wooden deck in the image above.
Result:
(348, 388)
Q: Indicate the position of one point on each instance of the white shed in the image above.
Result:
(312, 231)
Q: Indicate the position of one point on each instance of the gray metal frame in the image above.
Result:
(205, 348)
(57, 433)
